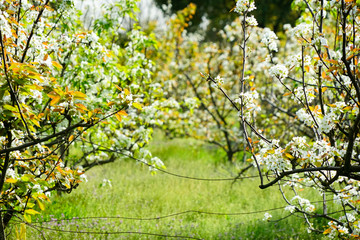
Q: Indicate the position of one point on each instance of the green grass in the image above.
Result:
(136, 193)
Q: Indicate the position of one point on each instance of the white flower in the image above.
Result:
(303, 30)
(218, 82)
(305, 117)
(10, 173)
(290, 208)
(279, 71)
(270, 40)
(106, 182)
(305, 203)
(323, 41)
(251, 21)
(328, 122)
(37, 95)
(244, 6)
(267, 217)
(343, 230)
(346, 80)
(248, 99)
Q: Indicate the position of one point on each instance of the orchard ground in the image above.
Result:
(129, 190)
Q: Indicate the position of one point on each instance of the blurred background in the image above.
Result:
(211, 15)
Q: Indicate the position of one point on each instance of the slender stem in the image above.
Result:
(320, 67)
(304, 90)
(32, 31)
(12, 92)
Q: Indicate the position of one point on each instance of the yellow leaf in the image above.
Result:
(118, 116)
(71, 138)
(31, 211)
(56, 65)
(10, 108)
(79, 95)
(41, 205)
(332, 61)
(272, 151)
(23, 231)
(350, 57)
(119, 88)
(110, 104)
(287, 94)
(11, 180)
(323, 74)
(81, 106)
(347, 108)
(27, 218)
(288, 155)
(35, 75)
(323, 89)
(55, 100)
(122, 113)
(137, 105)
(35, 122)
(127, 92)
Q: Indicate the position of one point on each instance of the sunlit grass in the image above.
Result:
(134, 192)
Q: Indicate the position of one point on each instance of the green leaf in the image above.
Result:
(10, 108)
(27, 177)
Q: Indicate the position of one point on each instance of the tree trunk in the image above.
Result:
(230, 156)
(2, 228)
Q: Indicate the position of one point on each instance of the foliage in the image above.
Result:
(313, 93)
(272, 14)
(73, 98)
(179, 55)
(59, 85)
(196, 109)
(125, 67)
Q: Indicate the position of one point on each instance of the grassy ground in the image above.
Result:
(135, 193)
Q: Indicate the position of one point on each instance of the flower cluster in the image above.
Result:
(270, 40)
(279, 71)
(243, 6)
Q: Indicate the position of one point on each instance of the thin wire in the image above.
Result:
(113, 233)
(37, 224)
(170, 173)
(165, 216)
(174, 214)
